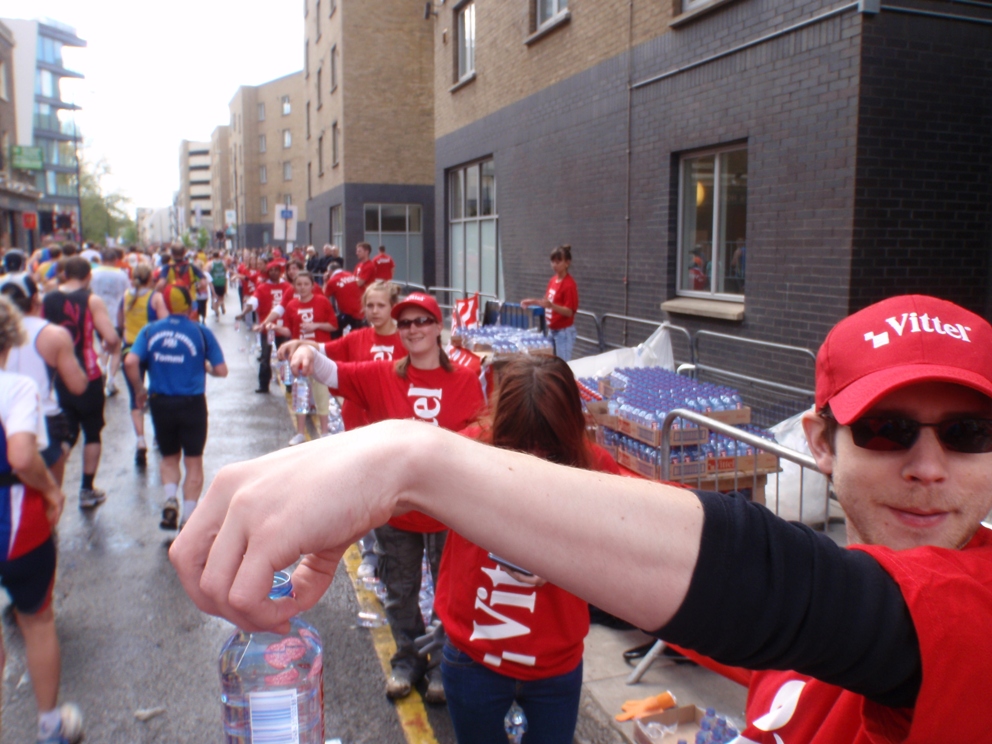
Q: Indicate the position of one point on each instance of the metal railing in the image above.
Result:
(588, 344)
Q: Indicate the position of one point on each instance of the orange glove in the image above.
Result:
(646, 707)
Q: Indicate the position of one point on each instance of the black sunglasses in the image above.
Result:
(424, 320)
(884, 434)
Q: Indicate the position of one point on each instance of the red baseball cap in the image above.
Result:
(275, 264)
(417, 299)
(898, 342)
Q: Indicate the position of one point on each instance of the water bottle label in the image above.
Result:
(274, 717)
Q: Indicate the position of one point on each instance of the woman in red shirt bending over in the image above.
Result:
(510, 635)
(561, 300)
(423, 386)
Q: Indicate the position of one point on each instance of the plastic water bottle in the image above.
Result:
(515, 724)
(237, 326)
(301, 394)
(272, 685)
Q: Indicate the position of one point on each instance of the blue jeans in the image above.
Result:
(564, 341)
(478, 698)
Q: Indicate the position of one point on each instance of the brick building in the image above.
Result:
(195, 211)
(221, 199)
(268, 158)
(754, 167)
(370, 129)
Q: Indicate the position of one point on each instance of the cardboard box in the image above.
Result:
(641, 467)
(605, 388)
(733, 417)
(686, 718)
(697, 435)
(599, 412)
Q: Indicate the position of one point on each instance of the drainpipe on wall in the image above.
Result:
(630, 93)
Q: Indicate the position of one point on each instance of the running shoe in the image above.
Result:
(90, 498)
(70, 730)
(170, 514)
(297, 439)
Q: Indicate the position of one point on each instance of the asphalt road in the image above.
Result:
(131, 639)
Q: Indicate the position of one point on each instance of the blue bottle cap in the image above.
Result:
(282, 585)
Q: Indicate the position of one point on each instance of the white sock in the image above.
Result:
(188, 507)
(141, 443)
(171, 489)
(49, 722)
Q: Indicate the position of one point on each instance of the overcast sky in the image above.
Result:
(158, 73)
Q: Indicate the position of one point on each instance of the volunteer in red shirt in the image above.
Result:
(527, 646)
(384, 265)
(267, 295)
(308, 317)
(423, 386)
(561, 301)
(342, 287)
(365, 270)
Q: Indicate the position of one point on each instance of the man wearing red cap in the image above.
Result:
(888, 640)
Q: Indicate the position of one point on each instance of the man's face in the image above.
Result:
(924, 495)
(361, 252)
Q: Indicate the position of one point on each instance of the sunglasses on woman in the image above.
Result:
(889, 434)
(425, 320)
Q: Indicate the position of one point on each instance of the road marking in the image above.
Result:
(410, 710)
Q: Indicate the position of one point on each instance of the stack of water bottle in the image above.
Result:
(645, 395)
(503, 340)
(714, 729)
(299, 387)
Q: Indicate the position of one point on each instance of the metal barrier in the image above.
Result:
(803, 461)
(587, 344)
(770, 401)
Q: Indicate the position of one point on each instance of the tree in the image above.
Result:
(103, 215)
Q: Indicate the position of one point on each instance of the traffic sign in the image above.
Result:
(29, 220)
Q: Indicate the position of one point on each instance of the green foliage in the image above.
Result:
(202, 239)
(103, 214)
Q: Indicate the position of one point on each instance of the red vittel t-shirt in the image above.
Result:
(384, 267)
(365, 271)
(562, 292)
(515, 629)
(317, 310)
(949, 596)
(269, 295)
(363, 345)
(451, 400)
(343, 288)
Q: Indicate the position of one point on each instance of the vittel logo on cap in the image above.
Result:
(913, 323)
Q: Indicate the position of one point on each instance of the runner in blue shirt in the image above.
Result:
(178, 354)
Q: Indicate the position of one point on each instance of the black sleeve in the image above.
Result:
(771, 594)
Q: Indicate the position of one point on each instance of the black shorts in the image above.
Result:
(58, 437)
(180, 423)
(201, 308)
(83, 412)
(30, 578)
(220, 291)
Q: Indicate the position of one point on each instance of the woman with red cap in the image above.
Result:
(423, 386)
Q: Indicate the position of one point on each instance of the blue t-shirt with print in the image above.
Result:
(174, 349)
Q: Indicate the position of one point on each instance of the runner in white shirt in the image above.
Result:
(110, 284)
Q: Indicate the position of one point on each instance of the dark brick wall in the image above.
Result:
(354, 197)
(561, 169)
(923, 211)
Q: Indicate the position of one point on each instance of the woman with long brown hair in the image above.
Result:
(510, 635)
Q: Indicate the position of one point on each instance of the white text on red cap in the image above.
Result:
(918, 324)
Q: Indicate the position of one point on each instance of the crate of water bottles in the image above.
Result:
(687, 724)
(642, 397)
(718, 455)
(503, 341)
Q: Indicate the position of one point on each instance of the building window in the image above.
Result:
(334, 6)
(306, 58)
(287, 109)
(334, 68)
(320, 155)
(399, 228)
(261, 143)
(308, 119)
(549, 10)
(337, 226)
(264, 205)
(465, 48)
(475, 263)
(316, 17)
(239, 123)
(261, 112)
(335, 144)
(309, 180)
(287, 171)
(287, 139)
(263, 174)
(320, 88)
(713, 224)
